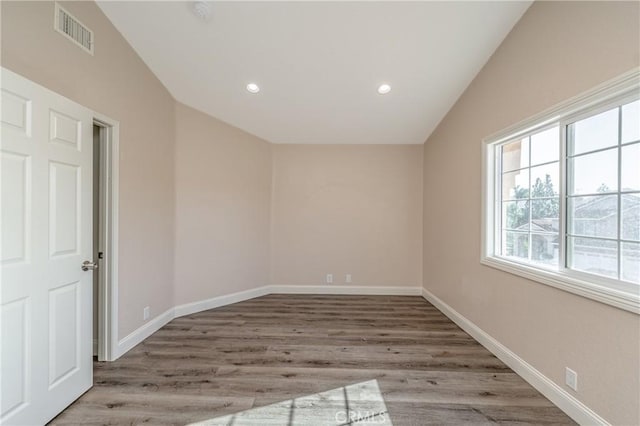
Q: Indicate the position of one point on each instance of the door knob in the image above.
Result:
(87, 265)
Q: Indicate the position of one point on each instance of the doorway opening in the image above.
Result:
(96, 253)
(105, 233)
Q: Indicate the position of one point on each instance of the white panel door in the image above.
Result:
(45, 228)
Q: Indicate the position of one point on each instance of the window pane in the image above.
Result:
(515, 215)
(545, 249)
(544, 181)
(516, 245)
(597, 132)
(545, 146)
(594, 173)
(631, 217)
(630, 262)
(631, 167)
(595, 216)
(631, 122)
(515, 155)
(515, 185)
(545, 215)
(593, 256)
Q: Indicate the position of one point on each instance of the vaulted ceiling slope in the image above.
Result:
(318, 64)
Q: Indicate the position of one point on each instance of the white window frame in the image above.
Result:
(625, 88)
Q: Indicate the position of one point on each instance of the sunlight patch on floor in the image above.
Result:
(358, 404)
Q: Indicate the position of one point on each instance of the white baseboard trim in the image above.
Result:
(556, 394)
(215, 302)
(346, 289)
(146, 330)
(132, 339)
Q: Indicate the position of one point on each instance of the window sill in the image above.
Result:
(620, 299)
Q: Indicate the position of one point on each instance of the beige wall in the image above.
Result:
(114, 82)
(347, 209)
(215, 239)
(556, 51)
(223, 193)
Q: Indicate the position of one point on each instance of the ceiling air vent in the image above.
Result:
(67, 25)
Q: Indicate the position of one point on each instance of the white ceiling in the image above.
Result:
(318, 64)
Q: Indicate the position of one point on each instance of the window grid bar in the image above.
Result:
(563, 170)
(498, 190)
(513, 200)
(529, 248)
(546, 198)
(595, 194)
(595, 151)
(628, 143)
(601, 238)
(516, 231)
(548, 234)
(504, 172)
(619, 224)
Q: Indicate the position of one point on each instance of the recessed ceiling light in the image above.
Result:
(383, 89)
(253, 88)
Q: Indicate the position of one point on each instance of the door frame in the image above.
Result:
(108, 231)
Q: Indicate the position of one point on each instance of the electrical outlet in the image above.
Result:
(347, 278)
(145, 313)
(571, 378)
(329, 278)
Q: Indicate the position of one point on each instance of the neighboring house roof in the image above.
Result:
(603, 207)
(541, 225)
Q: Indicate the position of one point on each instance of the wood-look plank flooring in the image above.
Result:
(282, 359)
